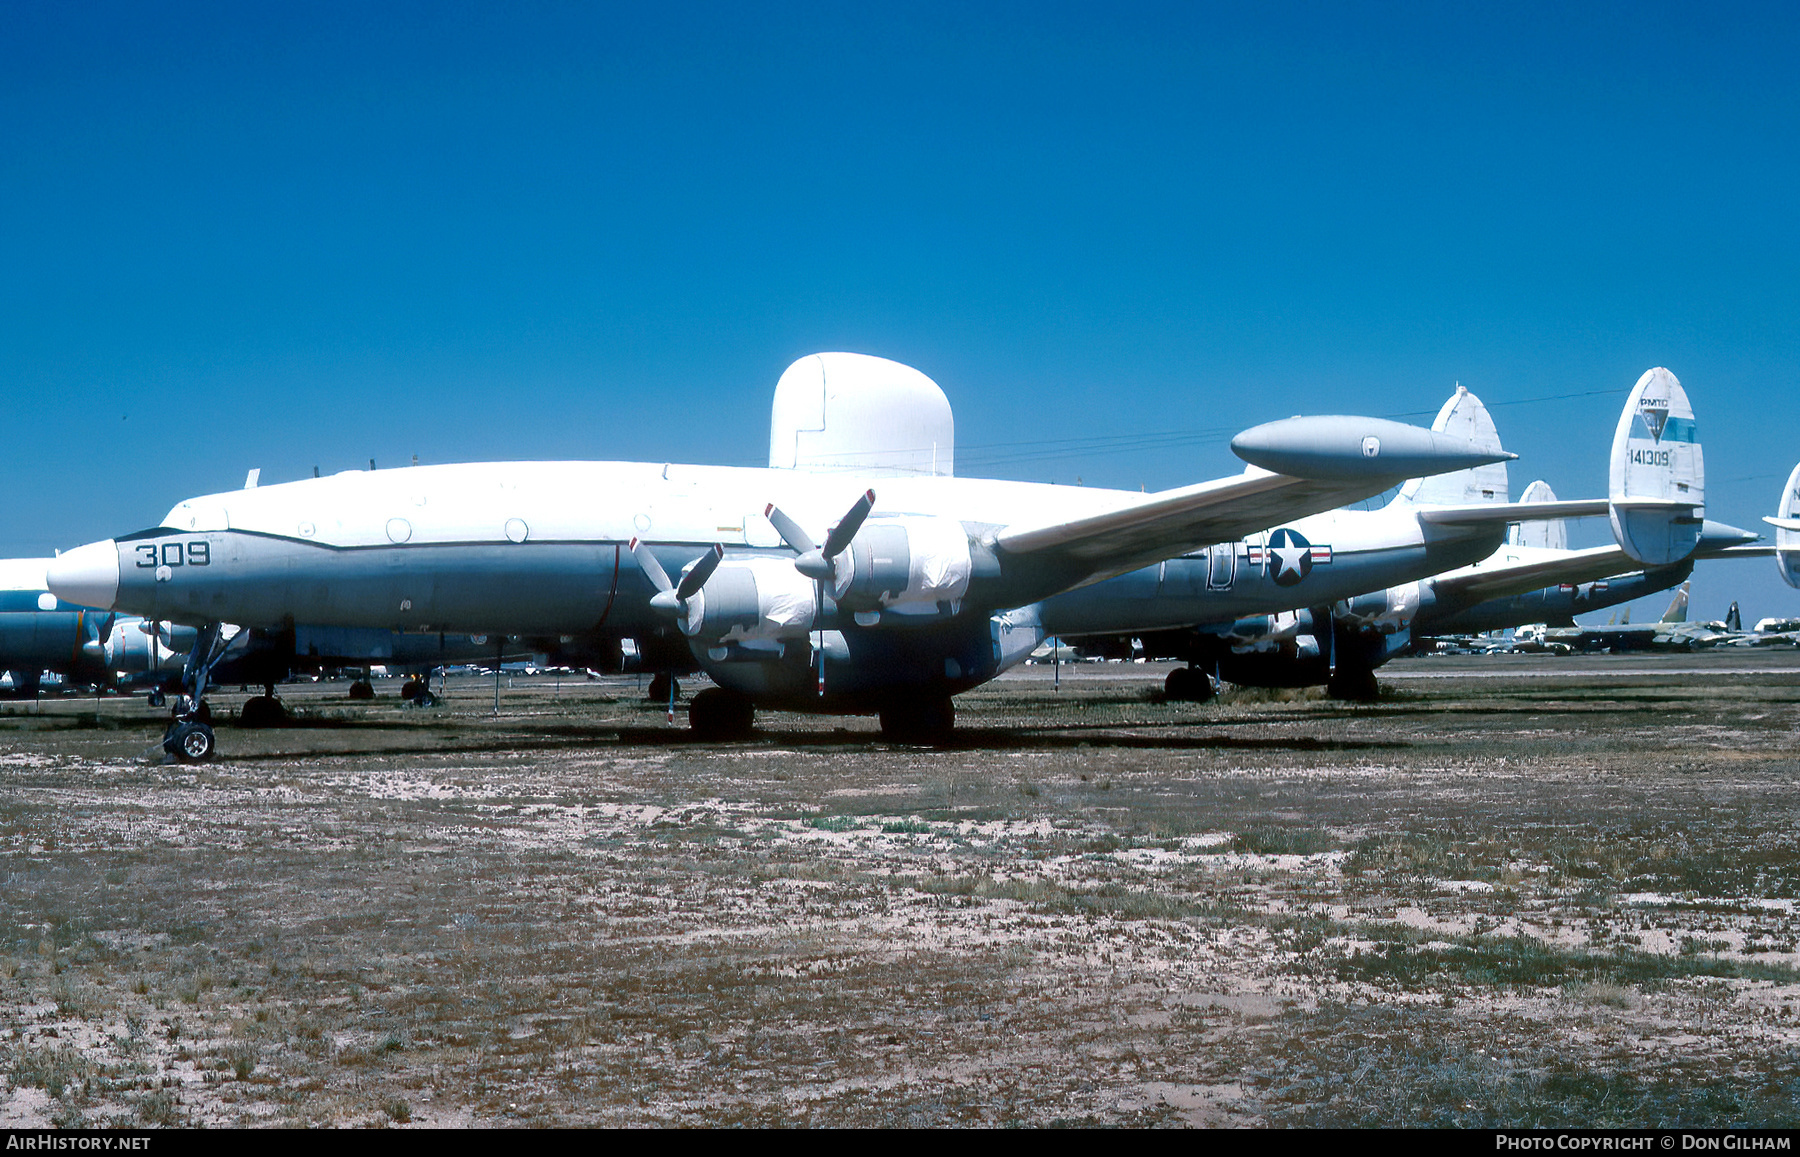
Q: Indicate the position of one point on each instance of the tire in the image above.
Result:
(1354, 684)
(660, 685)
(262, 711)
(719, 714)
(1177, 686)
(930, 722)
(410, 689)
(361, 690)
(189, 742)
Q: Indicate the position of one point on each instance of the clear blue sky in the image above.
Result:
(285, 235)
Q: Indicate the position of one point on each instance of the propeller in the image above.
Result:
(672, 598)
(819, 563)
(94, 646)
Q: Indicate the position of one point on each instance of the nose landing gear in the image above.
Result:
(190, 735)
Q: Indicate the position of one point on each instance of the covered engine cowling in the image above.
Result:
(1388, 612)
(1290, 649)
(910, 565)
(1269, 632)
(752, 600)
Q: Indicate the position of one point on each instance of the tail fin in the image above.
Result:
(1549, 532)
(1465, 417)
(1677, 612)
(1733, 620)
(1658, 475)
(1787, 531)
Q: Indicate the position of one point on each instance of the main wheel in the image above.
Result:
(262, 711)
(361, 690)
(718, 713)
(932, 721)
(410, 689)
(1188, 685)
(190, 742)
(661, 686)
(1354, 683)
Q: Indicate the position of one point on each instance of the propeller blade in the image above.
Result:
(846, 529)
(106, 628)
(652, 569)
(788, 529)
(696, 577)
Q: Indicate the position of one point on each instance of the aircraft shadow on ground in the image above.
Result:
(1079, 736)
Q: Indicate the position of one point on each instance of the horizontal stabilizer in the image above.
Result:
(1516, 511)
(1658, 474)
(1495, 580)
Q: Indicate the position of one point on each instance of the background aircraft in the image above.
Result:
(39, 633)
(1340, 638)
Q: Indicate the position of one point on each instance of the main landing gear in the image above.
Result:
(263, 710)
(721, 713)
(927, 721)
(1188, 685)
(190, 734)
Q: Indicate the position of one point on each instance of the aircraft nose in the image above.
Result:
(87, 576)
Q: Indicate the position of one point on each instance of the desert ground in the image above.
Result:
(1512, 892)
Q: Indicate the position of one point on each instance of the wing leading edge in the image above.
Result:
(1298, 466)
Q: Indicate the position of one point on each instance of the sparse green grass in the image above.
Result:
(1283, 840)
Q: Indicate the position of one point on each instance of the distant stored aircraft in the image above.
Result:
(793, 592)
(1337, 630)
(40, 632)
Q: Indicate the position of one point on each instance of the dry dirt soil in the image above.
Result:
(1511, 892)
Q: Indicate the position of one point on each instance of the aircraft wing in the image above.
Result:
(1501, 580)
(1298, 466)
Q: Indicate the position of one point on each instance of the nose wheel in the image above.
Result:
(190, 735)
(189, 741)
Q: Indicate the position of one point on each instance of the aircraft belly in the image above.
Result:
(1184, 599)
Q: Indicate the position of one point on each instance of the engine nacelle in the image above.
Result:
(1269, 632)
(907, 565)
(752, 600)
(1386, 612)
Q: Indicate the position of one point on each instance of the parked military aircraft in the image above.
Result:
(1339, 633)
(1672, 632)
(894, 611)
(39, 632)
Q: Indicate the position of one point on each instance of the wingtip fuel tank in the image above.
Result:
(1336, 447)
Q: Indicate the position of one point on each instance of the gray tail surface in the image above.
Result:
(1465, 417)
(1547, 532)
